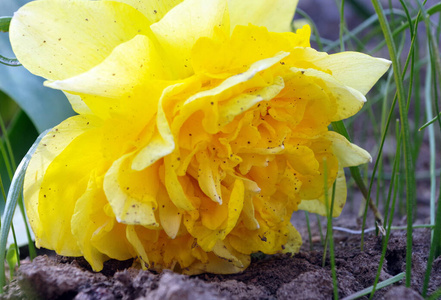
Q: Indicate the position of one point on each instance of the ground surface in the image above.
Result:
(269, 277)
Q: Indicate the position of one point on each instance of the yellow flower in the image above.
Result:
(202, 125)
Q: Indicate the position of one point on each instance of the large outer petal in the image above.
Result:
(65, 181)
(58, 39)
(182, 26)
(348, 154)
(128, 66)
(276, 15)
(52, 145)
(154, 10)
(356, 70)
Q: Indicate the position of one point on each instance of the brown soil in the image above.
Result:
(269, 277)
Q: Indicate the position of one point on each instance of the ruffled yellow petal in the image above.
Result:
(183, 25)
(248, 44)
(219, 115)
(95, 231)
(83, 228)
(170, 216)
(59, 39)
(176, 188)
(132, 194)
(276, 15)
(348, 101)
(103, 239)
(135, 241)
(162, 142)
(319, 206)
(267, 239)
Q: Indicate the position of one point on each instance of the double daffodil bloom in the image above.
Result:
(202, 125)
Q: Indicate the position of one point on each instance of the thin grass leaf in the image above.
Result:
(362, 27)
(405, 131)
(431, 133)
(4, 27)
(430, 11)
(8, 143)
(329, 233)
(396, 167)
(6, 160)
(11, 62)
(394, 171)
(435, 247)
(342, 25)
(10, 161)
(356, 174)
(361, 10)
(435, 64)
(12, 199)
(351, 231)
(435, 295)
(381, 174)
(381, 285)
(432, 252)
(430, 122)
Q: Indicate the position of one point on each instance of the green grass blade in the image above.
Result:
(356, 174)
(394, 182)
(433, 248)
(430, 122)
(4, 27)
(431, 133)
(436, 295)
(7, 153)
(329, 233)
(10, 161)
(342, 25)
(12, 199)
(8, 144)
(405, 131)
(363, 26)
(430, 11)
(381, 285)
(11, 62)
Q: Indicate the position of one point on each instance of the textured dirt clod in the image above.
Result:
(269, 277)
